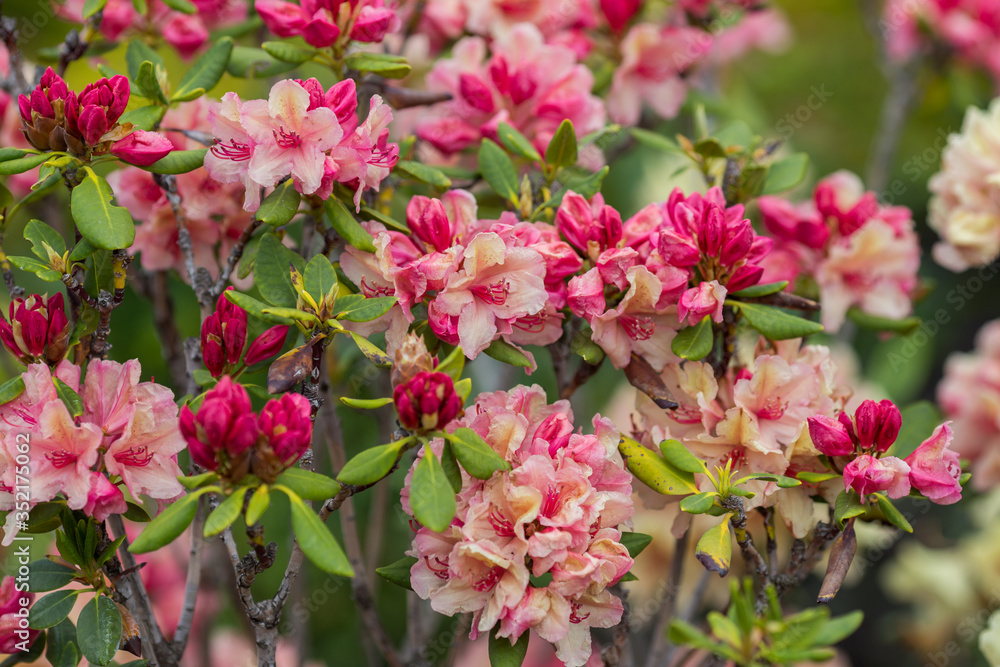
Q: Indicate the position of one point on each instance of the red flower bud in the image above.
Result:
(142, 148)
(372, 24)
(619, 12)
(224, 428)
(877, 424)
(223, 336)
(427, 402)
(830, 436)
(266, 345)
(38, 329)
(287, 425)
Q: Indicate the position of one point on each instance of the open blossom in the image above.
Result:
(867, 474)
(559, 510)
(302, 132)
(964, 208)
(860, 253)
(969, 395)
(934, 468)
(130, 427)
(531, 85)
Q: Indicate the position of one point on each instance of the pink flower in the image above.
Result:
(427, 401)
(15, 637)
(224, 428)
(496, 285)
(286, 424)
(619, 12)
(586, 295)
(867, 474)
(934, 468)
(186, 33)
(38, 329)
(654, 61)
(142, 148)
(697, 302)
(830, 436)
(590, 227)
(104, 498)
(228, 161)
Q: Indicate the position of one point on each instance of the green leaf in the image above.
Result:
(892, 514)
(655, 140)
(309, 485)
(839, 628)
(694, 343)
(147, 85)
(699, 503)
(36, 266)
(169, 523)
(23, 164)
(195, 481)
(816, 477)
(279, 207)
(258, 504)
(725, 628)
(387, 220)
(919, 421)
(179, 162)
(562, 150)
(785, 174)
(51, 609)
(635, 542)
(423, 173)
(41, 235)
(246, 62)
(62, 648)
(680, 457)
(320, 278)
(372, 464)
(345, 224)
(11, 389)
(228, 511)
(478, 458)
(450, 467)
(371, 351)
(11, 154)
(431, 495)
(183, 6)
(904, 327)
(145, 118)
(109, 551)
(710, 148)
(46, 575)
(453, 364)
(383, 64)
(205, 72)
(99, 221)
(756, 291)
(67, 546)
(99, 630)
(517, 143)
(290, 53)
(504, 654)
(359, 308)
(498, 170)
(272, 273)
(774, 323)
(315, 539)
(503, 351)
(365, 403)
(848, 505)
(70, 398)
(654, 471)
(399, 572)
(715, 548)
(737, 134)
(136, 513)
(683, 633)
(136, 53)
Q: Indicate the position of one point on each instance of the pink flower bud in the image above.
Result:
(877, 424)
(934, 468)
(573, 220)
(287, 426)
(342, 99)
(266, 345)
(867, 474)
(427, 401)
(103, 498)
(315, 90)
(284, 19)
(619, 12)
(710, 233)
(830, 436)
(109, 95)
(678, 250)
(224, 427)
(476, 93)
(93, 124)
(585, 295)
(373, 23)
(13, 607)
(185, 32)
(142, 148)
(321, 30)
(697, 302)
(746, 276)
(38, 329)
(428, 221)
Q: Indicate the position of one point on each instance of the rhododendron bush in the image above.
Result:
(468, 332)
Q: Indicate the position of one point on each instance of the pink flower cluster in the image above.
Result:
(228, 436)
(755, 417)
(969, 394)
(674, 261)
(303, 132)
(185, 32)
(322, 23)
(932, 469)
(859, 252)
(480, 279)
(38, 329)
(531, 85)
(127, 433)
(968, 28)
(558, 511)
(211, 209)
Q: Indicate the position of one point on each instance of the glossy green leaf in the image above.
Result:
(146, 118)
(358, 308)
(258, 504)
(46, 575)
(226, 513)
(654, 471)
(147, 85)
(290, 53)
(517, 143)
(431, 495)
(179, 162)
(71, 399)
(423, 173)
(399, 572)
(345, 224)
(681, 457)
(62, 646)
(503, 351)
(477, 458)
(51, 609)
(205, 72)
(365, 403)
(699, 503)
(195, 481)
(774, 323)
(498, 171)
(11, 389)
(892, 513)
(169, 523)
(22, 164)
(504, 654)
(309, 485)
(272, 272)
(756, 291)
(99, 221)
(694, 343)
(383, 64)
(635, 542)
(562, 150)
(279, 207)
(372, 464)
(848, 505)
(320, 278)
(315, 539)
(816, 477)
(99, 630)
(450, 466)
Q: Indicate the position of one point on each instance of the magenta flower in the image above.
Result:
(224, 335)
(224, 428)
(697, 302)
(427, 401)
(14, 604)
(934, 468)
(142, 148)
(38, 329)
(830, 436)
(877, 424)
(101, 104)
(104, 498)
(286, 425)
(867, 474)
(266, 345)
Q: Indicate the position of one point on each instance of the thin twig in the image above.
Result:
(193, 583)
(660, 641)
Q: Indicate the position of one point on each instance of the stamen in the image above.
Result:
(495, 294)
(235, 151)
(637, 327)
